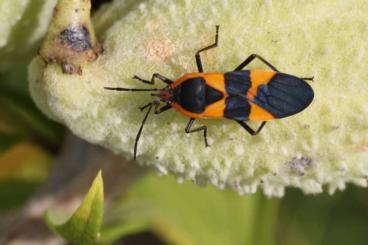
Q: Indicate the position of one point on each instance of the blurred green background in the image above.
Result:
(158, 210)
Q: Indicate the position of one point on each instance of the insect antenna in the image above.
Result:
(308, 78)
(131, 89)
(149, 105)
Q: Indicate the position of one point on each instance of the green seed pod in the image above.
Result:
(325, 145)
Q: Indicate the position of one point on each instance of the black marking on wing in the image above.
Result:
(237, 82)
(284, 95)
(237, 108)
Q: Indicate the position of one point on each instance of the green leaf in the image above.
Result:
(186, 214)
(323, 219)
(83, 227)
(14, 194)
(18, 114)
(7, 141)
(114, 232)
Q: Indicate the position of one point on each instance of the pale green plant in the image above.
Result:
(325, 145)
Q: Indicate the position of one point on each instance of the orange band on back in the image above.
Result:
(257, 113)
(259, 77)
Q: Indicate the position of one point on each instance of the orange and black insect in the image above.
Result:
(239, 95)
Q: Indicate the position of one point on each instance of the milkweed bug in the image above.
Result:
(239, 95)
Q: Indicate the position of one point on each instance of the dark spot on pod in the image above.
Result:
(50, 59)
(76, 38)
(300, 165)
(71, 69)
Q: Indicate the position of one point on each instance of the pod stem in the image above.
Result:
(71, 40)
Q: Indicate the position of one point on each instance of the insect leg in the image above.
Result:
(149, 105)
(152, 81)
(188, 130)
(249, 129)
(197, 55)
(251, 58)
(162, 109)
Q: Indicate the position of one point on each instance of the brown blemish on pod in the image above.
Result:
(159, 49)
(363, 147)
(71, 69)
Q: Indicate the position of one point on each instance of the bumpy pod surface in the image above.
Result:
(325, 145)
